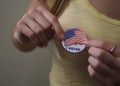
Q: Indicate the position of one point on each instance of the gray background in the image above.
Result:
(18, 68)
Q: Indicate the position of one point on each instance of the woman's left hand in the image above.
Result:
(104, 62)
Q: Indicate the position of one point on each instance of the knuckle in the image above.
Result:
(30, 35)
(47, 26)
(37, 28)
(89, 50)
(19, 26)
(32, 11)
(25, 16)
(100, 55)
(39, 32)
(23, 19)
(53, 19)
(19, 23)
(97, 65)
(103, 43)
(40, 8)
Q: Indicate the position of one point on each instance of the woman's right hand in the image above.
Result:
(39, 26)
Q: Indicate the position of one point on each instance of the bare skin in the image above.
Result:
(105, 66)
(38, 25)
(108, 7)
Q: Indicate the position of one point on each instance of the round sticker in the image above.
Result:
(75, 40)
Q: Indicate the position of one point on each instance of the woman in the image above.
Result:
(100, 19)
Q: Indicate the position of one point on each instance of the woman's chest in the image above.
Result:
(77, 15)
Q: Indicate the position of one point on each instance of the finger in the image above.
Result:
(102, 55)
(104, 81)
(30, 34)
(95, 75)
(103, 69)
(117, 63)
(43, 22)
(96, 64)
(104, 45)
(109, 82)
(54, 21)
(105, 57)
(36, 29)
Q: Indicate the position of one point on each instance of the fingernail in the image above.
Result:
(62, 36)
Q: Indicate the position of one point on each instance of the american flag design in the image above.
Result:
(75, 36)
(75, 40)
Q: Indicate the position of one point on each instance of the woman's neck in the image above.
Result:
(110, 8)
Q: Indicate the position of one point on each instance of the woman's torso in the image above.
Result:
(71, 70)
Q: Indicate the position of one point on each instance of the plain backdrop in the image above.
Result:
(18, 68)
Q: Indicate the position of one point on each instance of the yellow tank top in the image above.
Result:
(71, 70)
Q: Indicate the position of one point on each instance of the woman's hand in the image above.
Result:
(104, 62)
(38, 25)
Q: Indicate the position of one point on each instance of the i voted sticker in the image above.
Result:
(75, 40)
